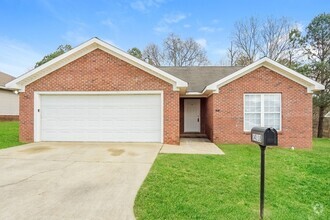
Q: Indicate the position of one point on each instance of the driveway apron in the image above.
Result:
(57, 180)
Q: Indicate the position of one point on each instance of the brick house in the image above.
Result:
(8, 99)
(96, 92)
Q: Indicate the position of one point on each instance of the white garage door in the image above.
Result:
(116, 118)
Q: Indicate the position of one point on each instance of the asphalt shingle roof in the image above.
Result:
(5, 78)
(198, 77)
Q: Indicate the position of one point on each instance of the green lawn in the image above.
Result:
(227, 187)
(9, 134)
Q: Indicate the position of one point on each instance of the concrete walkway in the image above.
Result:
(73, 180)
(192, 146)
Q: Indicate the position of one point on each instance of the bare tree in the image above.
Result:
(246, 39)
(153, 55)
(232, 54)
(180, 52)
(176, 52)
(275, 38)
(253, 39)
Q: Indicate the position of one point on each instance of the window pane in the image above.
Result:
(253, 103)
(272, 120)
(270, 113)
(272, 102)
(252, 120)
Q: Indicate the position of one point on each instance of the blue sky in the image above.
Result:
(30, 29)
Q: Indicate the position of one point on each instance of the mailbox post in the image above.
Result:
(264, 137)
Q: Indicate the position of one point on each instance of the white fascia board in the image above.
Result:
(87, 47)
(310, 84)
(6, 88)
(299, 78)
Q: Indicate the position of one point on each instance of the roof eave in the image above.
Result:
(6, 88)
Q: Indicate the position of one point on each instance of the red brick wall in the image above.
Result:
(99, 71)
(209, 117)
(181, 116)
(228, 109)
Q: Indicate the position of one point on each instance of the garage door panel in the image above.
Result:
(123, 118)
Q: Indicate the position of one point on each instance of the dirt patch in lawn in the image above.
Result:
(116, 152)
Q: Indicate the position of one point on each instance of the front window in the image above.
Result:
(262, 110)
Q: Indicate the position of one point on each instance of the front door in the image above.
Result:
(192, 122)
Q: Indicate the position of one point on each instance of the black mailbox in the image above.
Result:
(264, 136)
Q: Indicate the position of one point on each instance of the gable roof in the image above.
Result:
(83, 49)
(5, 78)
(198, 77)
(310, 84)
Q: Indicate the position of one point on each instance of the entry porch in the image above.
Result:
(193, 118)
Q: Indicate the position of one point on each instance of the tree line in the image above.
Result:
(306, 51)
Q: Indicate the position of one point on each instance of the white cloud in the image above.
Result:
(162, 28)
(164, 24)
(145, 5)
(75, 36)
(52, 10)
(209, 29)
(108, 22)
(174, 18)
(202, 42)
(78, 34)
(17, 57)
(215, 21)
(186, 25)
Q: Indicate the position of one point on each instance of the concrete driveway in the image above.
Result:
(51, 180)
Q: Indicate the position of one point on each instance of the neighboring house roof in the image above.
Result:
(327, 115)
(310, 84)
(83, 49)
(198, 77)
(4, 79)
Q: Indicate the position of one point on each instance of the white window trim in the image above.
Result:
(262, 117)
(37, 105)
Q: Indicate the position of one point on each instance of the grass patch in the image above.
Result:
(227, 187)
(9, 134)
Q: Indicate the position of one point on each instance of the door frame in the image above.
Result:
(200, 116)
(37, 105)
